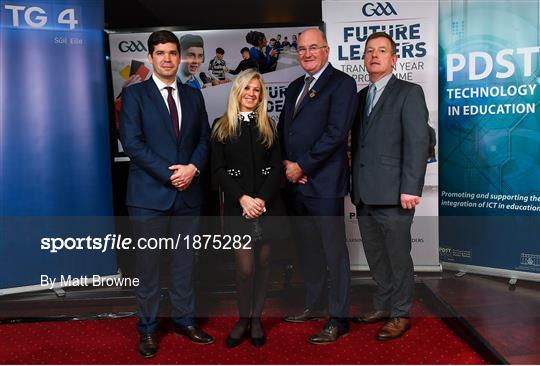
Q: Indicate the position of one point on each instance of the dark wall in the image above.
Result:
(210, 14)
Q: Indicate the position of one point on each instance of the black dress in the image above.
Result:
(244, 165)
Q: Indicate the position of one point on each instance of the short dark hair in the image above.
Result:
(245, 49)
(160, 37)
(254, 37)
(220, 50)
(382, 35)
(191, 40)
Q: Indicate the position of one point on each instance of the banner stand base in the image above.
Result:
(497, 272)
(431, 268)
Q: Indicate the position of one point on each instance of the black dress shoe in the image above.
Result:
(148, 345)
(373, 317)
(194, 333)
(306, 316)
(329, 334)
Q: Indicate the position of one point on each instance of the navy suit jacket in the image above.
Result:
(316, 136)
(148, 139)
(390, 147)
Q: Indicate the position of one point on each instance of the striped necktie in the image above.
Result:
(307, 83)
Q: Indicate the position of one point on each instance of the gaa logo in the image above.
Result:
(371, 9)
(132, 46)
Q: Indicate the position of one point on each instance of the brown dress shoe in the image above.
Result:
(393, 328)
(194, 333)
(148, 345)
(306, 316)
(373, 317)
(329, 334)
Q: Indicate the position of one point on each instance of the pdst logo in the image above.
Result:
(371, 9)
(443, 250)
(131, 46)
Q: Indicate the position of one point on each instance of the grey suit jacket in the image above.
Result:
(390, 147)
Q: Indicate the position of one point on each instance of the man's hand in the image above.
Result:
(293, 172)
(409, 201)
(253, 207)
(182, 176)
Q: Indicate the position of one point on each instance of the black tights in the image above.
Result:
(252, 274)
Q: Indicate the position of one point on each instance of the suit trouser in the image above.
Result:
(320, 236)
(386, 236)
(178, 220)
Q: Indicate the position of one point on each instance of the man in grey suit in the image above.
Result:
(390, 142)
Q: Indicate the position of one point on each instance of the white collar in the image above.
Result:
(246, 115)
(161, 85)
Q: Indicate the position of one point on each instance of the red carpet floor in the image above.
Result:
(114, 341)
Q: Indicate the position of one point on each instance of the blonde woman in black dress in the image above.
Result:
(246, 164)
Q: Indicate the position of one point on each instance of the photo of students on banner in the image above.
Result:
(210, 61)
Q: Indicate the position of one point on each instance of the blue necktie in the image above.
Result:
(370, 96)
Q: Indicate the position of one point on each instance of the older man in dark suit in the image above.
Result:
(390, 142)
(164, 130)
(314, 126)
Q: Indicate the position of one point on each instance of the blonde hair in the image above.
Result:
(228, 126)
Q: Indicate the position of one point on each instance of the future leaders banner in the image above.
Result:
(55, 168)
(490, 137)
(413, 26)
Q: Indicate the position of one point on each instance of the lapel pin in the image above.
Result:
(313, 93)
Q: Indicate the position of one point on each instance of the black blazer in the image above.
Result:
(243, 165)
(390, 147)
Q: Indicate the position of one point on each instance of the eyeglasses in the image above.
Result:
(312, 48)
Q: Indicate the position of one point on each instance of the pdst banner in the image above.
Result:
(490, 137)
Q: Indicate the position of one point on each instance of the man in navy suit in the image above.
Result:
(390, 146)
(314, 126)
(164, 130)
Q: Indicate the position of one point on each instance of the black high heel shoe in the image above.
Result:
(232, 342)
(258, 341)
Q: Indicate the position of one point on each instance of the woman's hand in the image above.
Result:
(252, 207)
